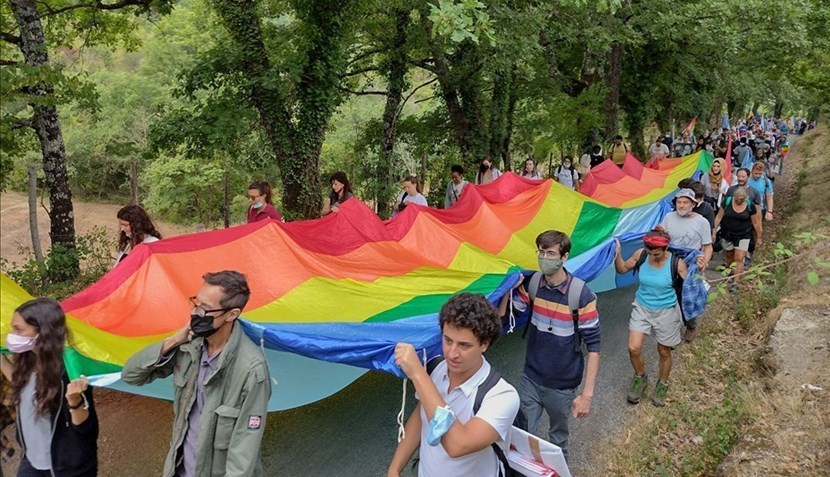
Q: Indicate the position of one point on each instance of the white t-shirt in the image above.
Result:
(147, 239)
(418, 199)
(658, 152)
(690, 232)
(498, 409)
(566, 178)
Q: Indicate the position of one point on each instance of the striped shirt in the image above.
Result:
(551, 360)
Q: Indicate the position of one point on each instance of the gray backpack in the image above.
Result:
(574, 292)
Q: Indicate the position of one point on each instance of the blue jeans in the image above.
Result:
(556, 402)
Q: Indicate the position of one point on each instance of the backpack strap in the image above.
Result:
(677, 282)
(640, 261)
(433, 363)
(535, 281)
(574, 293)
(492, 379)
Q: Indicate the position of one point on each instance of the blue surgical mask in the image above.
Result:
(257, 205)
(441, 422)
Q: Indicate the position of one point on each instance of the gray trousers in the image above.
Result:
(556, 402)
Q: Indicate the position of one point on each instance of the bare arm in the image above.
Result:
(6, 367)
(625, 266)
(409, 444)
(757, 228)
(582, 403)
(326, 210)
(462, 438)
(682, 269)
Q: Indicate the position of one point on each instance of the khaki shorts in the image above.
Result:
(727, 245)
(666, 323)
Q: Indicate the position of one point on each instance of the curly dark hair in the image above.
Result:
(46, 359)
(140, 226)
(472, 311)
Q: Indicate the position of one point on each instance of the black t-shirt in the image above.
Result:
(596, 159)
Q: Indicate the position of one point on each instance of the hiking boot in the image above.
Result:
(690, 334)
(638, 385)
(659, 396)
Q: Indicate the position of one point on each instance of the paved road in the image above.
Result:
(353, 433)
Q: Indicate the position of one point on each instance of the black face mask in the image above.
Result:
(484, 168)
(202, 325)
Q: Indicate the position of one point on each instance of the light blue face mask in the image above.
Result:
(258, 205)
(441, 422)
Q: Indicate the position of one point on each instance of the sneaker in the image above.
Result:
(638, 385)
(659, 396)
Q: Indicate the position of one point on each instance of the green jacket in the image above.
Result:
(236, 403)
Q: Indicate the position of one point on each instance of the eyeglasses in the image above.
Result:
(548, 254)
(254, 197)
(198, 309)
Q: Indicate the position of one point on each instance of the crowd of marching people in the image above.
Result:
(221, 379)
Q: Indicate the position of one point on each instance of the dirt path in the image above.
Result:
(16, 241)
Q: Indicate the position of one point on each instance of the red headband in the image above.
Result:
(655, 241)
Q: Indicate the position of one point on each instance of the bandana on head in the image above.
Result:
(655, 241)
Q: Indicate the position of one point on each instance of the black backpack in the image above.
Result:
(492, 379)
(677, 280)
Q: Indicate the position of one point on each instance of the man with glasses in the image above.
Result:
(221, 384)
(554, 363)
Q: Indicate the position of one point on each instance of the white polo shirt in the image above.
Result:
(498, 409)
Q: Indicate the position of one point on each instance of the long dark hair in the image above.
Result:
(140, 226)
(340, 177)
(46, 359)
(264, 188)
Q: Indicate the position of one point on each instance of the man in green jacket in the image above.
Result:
(221, 384)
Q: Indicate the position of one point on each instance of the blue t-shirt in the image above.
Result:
(656, 291)
(764, 186)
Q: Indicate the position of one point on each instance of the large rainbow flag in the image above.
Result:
(331, 297)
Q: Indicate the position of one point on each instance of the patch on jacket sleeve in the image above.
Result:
(254, 422)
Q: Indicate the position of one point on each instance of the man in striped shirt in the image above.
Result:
(554, 366)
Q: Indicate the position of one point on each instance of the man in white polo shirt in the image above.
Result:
(453, 439)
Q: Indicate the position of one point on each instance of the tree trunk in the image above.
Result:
(396, 80)
(33, 227)
(715, 116)
(226, 201)
(134, 182)
(612, 97)
(295, 141)
(779, 108)
(47, 127)
(512, 99)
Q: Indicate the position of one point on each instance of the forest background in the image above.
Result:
(194, 99)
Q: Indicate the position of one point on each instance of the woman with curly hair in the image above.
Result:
(57, 426)
(136, 227)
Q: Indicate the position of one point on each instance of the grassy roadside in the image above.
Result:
(721, 388)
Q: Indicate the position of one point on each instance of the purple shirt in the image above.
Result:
(207, 368)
